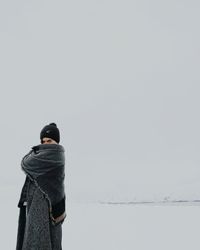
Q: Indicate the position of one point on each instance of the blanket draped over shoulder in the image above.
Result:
(45, 165)
(42, 200)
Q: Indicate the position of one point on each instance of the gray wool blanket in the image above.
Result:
(42, 201)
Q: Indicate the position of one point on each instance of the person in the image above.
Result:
(42, 200)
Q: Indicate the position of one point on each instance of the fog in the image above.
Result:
(120, 79)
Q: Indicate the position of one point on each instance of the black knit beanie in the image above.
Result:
(50, 131)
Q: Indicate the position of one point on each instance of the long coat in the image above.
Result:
(35, 230)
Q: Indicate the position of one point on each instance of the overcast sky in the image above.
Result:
(120, 79)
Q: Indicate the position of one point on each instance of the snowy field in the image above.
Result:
(121, 80)
(141, 227)
(121, 227)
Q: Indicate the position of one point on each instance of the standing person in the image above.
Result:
(42, 200)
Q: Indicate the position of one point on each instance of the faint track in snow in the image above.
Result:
(164, 202)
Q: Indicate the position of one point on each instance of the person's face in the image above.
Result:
(47, 140)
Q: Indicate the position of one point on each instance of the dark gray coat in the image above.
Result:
(42, 200)
(35, 230)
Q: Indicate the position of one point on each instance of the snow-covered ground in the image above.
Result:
(92, 225)
(121, 80)
(140, 227)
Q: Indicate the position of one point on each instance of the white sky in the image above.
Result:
(120, 79)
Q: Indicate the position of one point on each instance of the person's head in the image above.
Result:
(50, 134)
